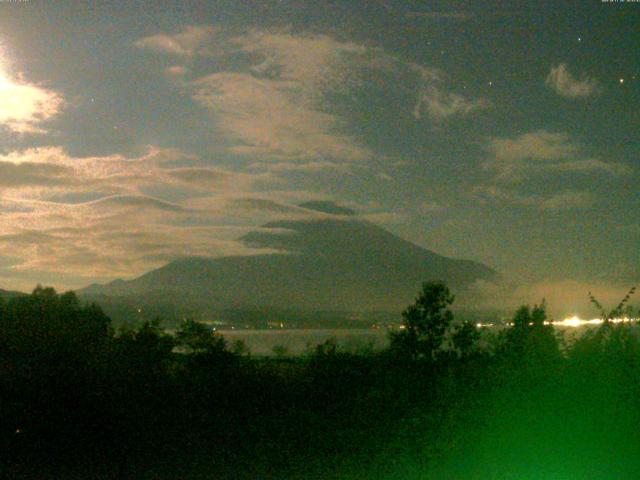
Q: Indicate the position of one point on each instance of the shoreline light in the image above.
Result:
(570, 322)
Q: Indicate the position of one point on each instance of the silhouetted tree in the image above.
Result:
(200, 338)
(143, 352)
(621, 309)
(465, 339)
(425, 322)
(280, 351)
(529, 339)
(610, 340)
(45, 326)
(240, 347)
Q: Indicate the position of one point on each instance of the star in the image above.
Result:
(579, 39)
(491, 84)
(621, 81)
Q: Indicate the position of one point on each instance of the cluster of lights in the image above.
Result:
(573, 322)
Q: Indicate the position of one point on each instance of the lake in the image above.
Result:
(297, 341)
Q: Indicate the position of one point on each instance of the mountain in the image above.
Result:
(334, 263)
(8, 294)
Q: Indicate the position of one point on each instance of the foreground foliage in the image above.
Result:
(80, 400)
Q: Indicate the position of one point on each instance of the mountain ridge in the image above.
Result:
(339, 263)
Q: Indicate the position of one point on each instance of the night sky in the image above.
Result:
(502, 132)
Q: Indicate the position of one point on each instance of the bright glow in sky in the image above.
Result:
(23, 105)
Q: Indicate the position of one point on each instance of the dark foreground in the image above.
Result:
(79, 400)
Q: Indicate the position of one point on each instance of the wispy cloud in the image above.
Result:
(567, 200)
(307, 167)
(436, 101)
(40, 173)
(441, 105)
(541, 152)
(191, 40)
(439, 15)
(562, 82)
(279, 100)
(104, 217)
(274, 118)
(536, 156)
(275, 107)
(127, 235)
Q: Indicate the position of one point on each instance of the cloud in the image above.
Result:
(274, 118)
(45, 172)
(307, 167)
(440, 15)
(539, 144)
(386, 218)
(190, 41)
(513, 159)
(277, 106)
(384, 176)
(284, 99)
(440, 105)
(590, 165)
(81, 219)
(138, 202)
(430, 207)
(27, 174)
(127, 235)
(25, 106)
(177, 71)
(567, 200)
(562, 82)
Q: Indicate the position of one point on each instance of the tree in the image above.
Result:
(611, 339)
(47, 325)
(529, 338)
(199, 338)
(145, 351)
(465, 339)
(280, 351)
(425, 323)
(621, 309)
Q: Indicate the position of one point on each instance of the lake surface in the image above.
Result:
(298, 341)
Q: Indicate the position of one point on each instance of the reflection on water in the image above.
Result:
(298, 341)
(295, 342)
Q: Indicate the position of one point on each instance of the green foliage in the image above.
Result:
(619, 311)
(465, 339)
(280, 351)
(328, 348)
(610, 342)
(529, 340)
(142, 352)
(425, 323)
(79, 401)
(200, 338)
(239, 347)
(52, 330)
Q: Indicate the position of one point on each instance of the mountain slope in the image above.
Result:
(8, 294)
(338, 263)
